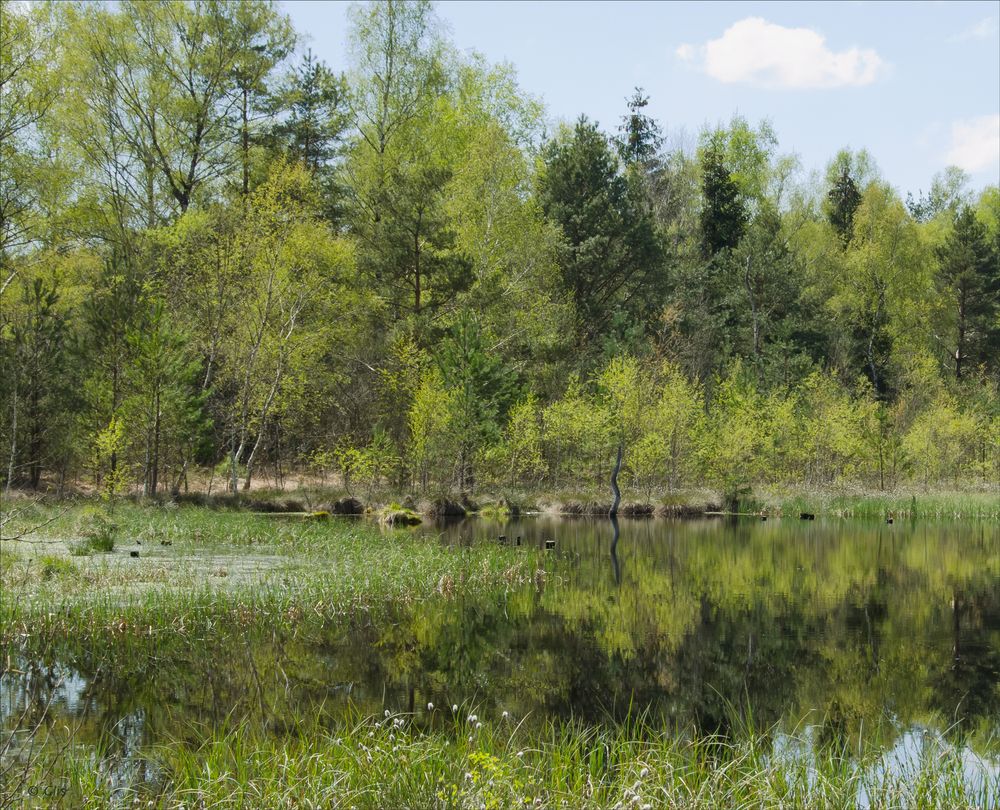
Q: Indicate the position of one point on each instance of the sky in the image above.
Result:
(916, 84)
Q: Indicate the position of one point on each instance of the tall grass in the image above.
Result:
(922, 506)
(443, 759)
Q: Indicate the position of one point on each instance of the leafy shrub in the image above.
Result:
(100, 534)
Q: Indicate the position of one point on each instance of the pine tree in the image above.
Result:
(612, 260)
(844, 200)
(969, 275)
(641, 136)
(723, 215)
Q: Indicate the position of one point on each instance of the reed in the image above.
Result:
(438, 758)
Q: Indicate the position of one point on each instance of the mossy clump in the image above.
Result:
(397, 515)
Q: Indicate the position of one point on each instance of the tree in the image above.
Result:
(969, 275)
(641, 137)
(267, 39)
(292, 270)
(432, 437)
(483, 391)
(611, 258)
(843, 200)
(160, 85)
(110, 315)
(26, 95)
(316, 100)
(723, 215)
(948, 193)
(884, 284)
(33, 337)
(165, 402)
(848, 176)
(401, 161)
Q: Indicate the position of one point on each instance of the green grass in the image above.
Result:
(438, 758)
(201, 571)
(919, 506)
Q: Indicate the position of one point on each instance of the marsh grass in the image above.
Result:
(911, 506)
(202, 572)
(440, 759)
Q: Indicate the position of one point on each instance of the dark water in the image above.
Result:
(841, 632)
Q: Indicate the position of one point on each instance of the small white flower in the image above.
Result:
(392, 737)
(386, 712)
(430, 707)
(454, 707)
(644, 773)
(520, 753)
(478, 726)
(470, 738)
(505, 715)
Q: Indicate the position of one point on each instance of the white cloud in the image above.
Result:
(686, 52)
(975, 143)
(986, 28)
(754, 51)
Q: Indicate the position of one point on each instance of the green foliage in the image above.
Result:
(482, 389)
(99, 534)
(56, 568)
(969, 277)
(433, 447)
(218, 264)
(723, 216)
(365, 469)
(611, 258)
(844, 199)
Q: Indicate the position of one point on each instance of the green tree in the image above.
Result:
(315, 129)
(33, 337)
(164, 406)
(640, 135)
(483, 388)
(159, 86)
(27, 91)
(267, 39)
(969, 276)
(611, 258)
(433, 439)
(723, 215)
(843, 200)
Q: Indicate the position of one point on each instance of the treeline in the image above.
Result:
(221, 257)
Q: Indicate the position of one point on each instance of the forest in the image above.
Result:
(223, 264)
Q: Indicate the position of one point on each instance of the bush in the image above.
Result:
(56, 567)
(101, 534)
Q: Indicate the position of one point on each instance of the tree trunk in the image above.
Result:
(13, 441)
(155, 461)
(959, 352)
(614, 482)
(747, 281)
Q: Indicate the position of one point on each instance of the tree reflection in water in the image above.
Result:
(709, 625)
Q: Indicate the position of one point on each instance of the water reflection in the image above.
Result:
(878, 630)
(616, 566)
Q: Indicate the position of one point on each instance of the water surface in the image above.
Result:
(834, 632)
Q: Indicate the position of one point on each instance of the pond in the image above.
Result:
(834, 632)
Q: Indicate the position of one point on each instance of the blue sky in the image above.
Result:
(917, 84)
